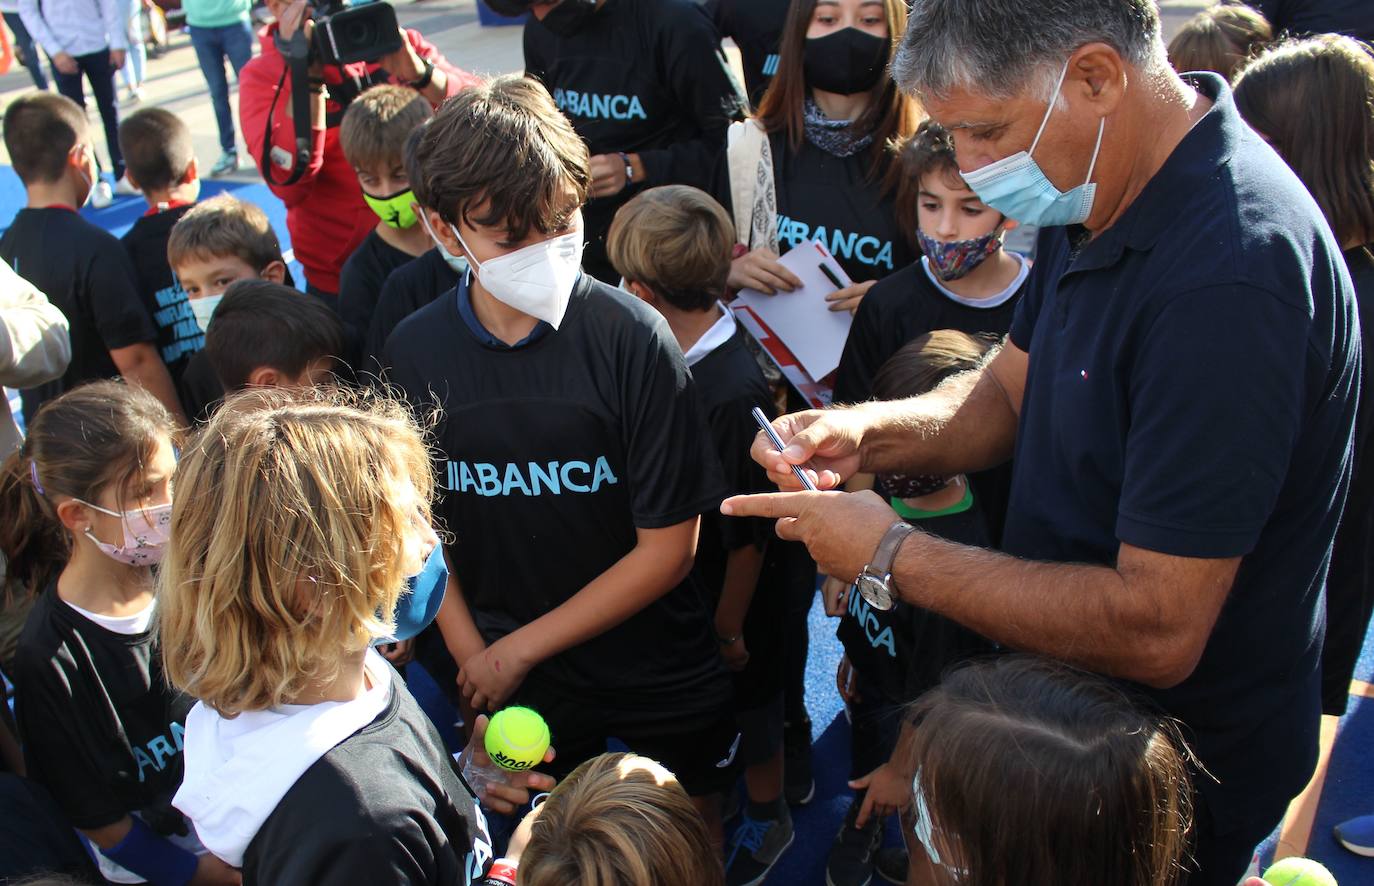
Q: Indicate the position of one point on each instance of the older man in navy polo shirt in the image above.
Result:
(1178, 391)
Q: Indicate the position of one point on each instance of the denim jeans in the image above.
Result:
(100, 73)
(28, 53)
(213, 46)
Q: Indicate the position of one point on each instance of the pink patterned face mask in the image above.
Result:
(146, 531)
(956, 258)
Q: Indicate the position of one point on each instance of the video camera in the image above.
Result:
(348, 32)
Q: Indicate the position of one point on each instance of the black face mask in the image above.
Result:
(569, 17)
(846, 62)
(510, 8)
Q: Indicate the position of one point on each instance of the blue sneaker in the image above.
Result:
(1357, 835)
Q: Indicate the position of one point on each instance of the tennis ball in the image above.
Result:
(517, 739)
(1297, 871)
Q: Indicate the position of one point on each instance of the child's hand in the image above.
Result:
(492, 675)
(844, 681)
(835, 596)
(211, 871)
(736, 654)
(400, 653)
(761, 271)
(516, 791)
(887, 791)
(848, 299)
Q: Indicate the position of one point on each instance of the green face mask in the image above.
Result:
(394, 211)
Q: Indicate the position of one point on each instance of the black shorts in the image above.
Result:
(702, 750)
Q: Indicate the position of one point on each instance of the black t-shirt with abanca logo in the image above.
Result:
(646, 77)
(551, 455)
(101, 727)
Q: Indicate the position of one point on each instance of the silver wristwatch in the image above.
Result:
(874, 584)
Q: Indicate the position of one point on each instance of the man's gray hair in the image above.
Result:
(1003, 48)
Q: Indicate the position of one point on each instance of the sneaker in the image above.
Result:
(891, 863)
(851, 855)
(228, 162)
(799, 785)
(101, 194)
(755, 847)
(1357, 835)
(124, 187)
(133, 96)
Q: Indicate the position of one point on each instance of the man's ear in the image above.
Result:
(275, 272)
(264, 377)
(444, 234)
(73, 516)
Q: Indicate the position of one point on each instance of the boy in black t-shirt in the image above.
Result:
(81, 268)
(573, 459)
(415, 283)
(892, 657)
(161, 163)
(214, 244)
(964, 280)
(373, 136)
(673, 246)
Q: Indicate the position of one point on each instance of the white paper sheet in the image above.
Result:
(814, 334)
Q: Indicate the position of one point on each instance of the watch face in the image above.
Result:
(875, 591)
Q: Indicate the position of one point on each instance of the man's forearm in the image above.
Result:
(965, 424)
(1085, 615)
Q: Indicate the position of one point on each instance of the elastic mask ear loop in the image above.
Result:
(1101, 128)
(472, 259)
(1050, 110)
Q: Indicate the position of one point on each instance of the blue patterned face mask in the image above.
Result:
(957, 258)
(1017, 187)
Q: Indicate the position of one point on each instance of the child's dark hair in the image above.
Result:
(922, 363)
(1314, 101)
(40, 130)
(677, 240)
(1030, 771)
(504, 148)
(90, 438)
(259, 323)
(378, 122)
(929, 151)
(1220, 39)
(157, 148)
(223, 226)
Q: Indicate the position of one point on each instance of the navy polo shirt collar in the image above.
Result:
(1208, 146)
(464, 297)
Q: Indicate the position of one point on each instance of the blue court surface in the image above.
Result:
(1347, 790)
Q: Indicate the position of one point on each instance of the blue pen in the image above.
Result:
(777, 444)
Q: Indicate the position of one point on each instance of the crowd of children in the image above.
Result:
(221, 500)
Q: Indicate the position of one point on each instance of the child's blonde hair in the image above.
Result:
(287, 540)
(620, 820)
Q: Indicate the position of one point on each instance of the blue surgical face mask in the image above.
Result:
(1017, 187)
(419, 603)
